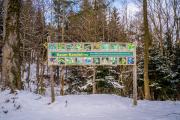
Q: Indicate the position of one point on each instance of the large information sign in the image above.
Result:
(100, 53)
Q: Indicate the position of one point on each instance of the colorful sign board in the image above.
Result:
(101, 53)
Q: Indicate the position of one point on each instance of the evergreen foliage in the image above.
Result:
(163, 80)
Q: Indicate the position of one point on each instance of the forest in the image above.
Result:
(27, 26)
(92, 21)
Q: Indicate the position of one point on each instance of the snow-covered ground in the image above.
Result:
(29, 106)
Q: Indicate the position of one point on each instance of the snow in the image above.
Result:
(32, 77)
(84, 107)
(117, 85)
(89, 83)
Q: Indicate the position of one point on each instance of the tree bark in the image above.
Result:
(37, 73)
(146, 51)
(28, 74)
(11, 65)
(160, 27)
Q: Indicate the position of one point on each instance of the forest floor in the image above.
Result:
(30, 106)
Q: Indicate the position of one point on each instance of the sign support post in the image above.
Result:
(52, 83)
(62, 82)
(134, 85)
(94, 80)
(135, 79)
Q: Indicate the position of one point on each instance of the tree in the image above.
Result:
(1, 21)
(11, 50)
(115, 28)
(27, 37)
(1, 36)
(146, 51)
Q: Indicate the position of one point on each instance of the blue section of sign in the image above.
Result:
(131, 60)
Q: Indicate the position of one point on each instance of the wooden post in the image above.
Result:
(62, 82)
(134, 85)
(94, 80)
(135, 79)
(52, 84)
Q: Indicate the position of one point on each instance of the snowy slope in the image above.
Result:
(29, 106)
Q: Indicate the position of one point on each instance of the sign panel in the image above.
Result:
(102, 53)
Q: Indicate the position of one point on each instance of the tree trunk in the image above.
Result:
(160, 27)
(42, 89)
(146, 51)
(57, 77)
(28, 74)
(37, 73)
(11, 50)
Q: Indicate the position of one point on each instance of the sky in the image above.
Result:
(131, 6)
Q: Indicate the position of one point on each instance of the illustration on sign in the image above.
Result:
(61, 47)
(78, 46)
(97, 46)
(69, 46)
(105, 46)
(88, 60)
(122, 61)
(122, 46)
(96, 61)
(114, 46)
(131, 60)
(113, 60)
(79, 61)
(61, 61)
(69, 61)
(131, 46)
(105, 60)
(87, 47)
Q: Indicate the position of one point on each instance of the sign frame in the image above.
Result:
(92, 52)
